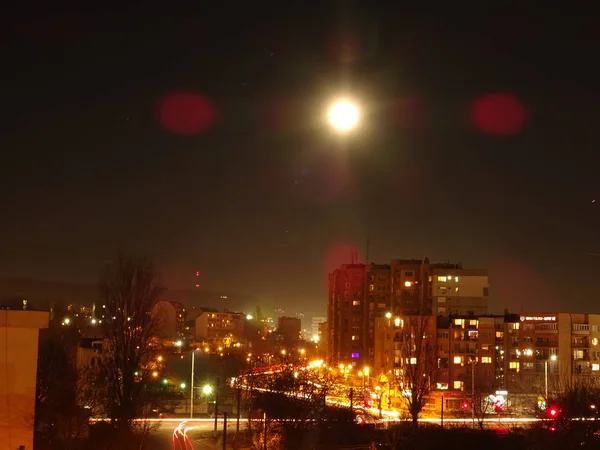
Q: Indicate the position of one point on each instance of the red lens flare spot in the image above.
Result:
(499, 114)
(341, 253)
(186, 113)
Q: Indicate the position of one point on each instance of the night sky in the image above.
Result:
(198, 136)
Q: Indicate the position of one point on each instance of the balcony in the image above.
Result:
(580, 328)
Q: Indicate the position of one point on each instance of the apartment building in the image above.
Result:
(564, 345)
(170, 319)
(19, 337)
(359, 294)
(219, 326)
(521, 354)
(289, 330)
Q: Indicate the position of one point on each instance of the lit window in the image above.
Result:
(356, 303)
(407, 283)
(458, 360)
(473, 322)
(458, 385)
(486, 360)
(456, 289)
(514, 366)
(595, 367)
(442, 279)
(459, 322)
(355, 338)
(413, 360)
(397, 321)
(456, 279)
(594, 341)
(499, 334)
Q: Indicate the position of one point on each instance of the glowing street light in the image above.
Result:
(388, 315)
(182, 385)
(343, 115)
(249, 317)
(207, 389)
(179, 343)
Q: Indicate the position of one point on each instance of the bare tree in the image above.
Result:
(417, 361)
(482, 406)
(129, 287)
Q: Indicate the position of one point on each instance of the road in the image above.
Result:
(196, 434)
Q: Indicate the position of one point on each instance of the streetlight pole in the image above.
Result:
(546, 381)
(473, 362)
(552, 358)
(192, 386)
(216, 404)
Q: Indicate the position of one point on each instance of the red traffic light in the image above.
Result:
(553, 412)
(465, 405)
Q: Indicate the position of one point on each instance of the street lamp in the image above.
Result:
(207, 389)
(343, 115)
(552, 358)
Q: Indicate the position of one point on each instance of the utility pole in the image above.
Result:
(442, 413)
(192, 385)
(351, 398)
(473, 391)
(237, 421)
(264, 431)
(224, 430)
(216, 404)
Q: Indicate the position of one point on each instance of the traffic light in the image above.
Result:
(465, 405)
(553, 412)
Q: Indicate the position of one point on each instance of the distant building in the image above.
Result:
(358, 294)
(90, 352)
(314, 328)
(215, 325)
(19, 334)
(171, 318)
(289, 330)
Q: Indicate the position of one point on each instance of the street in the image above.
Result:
(185, 434)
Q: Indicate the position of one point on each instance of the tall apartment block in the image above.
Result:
(359, 294)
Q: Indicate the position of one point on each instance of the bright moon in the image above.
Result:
(343, 115)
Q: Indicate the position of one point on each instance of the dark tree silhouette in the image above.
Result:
(417, 362)
(129, 287)
(60, 421)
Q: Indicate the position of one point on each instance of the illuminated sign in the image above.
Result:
(538, 318)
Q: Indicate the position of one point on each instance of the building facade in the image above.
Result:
(19, 334)
(315, 326)
(519, 354)
(219, 326)
(289, 330)
(170, 318)
(359, 294)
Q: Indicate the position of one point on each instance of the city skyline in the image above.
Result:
(204, 148)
